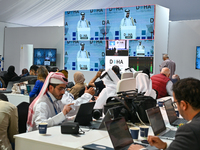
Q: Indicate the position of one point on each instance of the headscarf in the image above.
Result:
(144, 85)
(10, 73)
(54, 78)
(79, 77)
(110, 80)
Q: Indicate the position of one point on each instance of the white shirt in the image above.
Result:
(82, 24)
(44, 112)
(68, 98)
(126, 22)
(82, 54)
(169, 87)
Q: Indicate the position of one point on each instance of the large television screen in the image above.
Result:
(130, 23)
(85, 55)
(44, 56)
(85, 25)
(197, 57)
(141, 48)
(112, 35)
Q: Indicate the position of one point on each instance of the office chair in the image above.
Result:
(126, 85)
(22, 116)
(127, 75)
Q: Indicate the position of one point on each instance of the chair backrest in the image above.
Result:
(136, 73)
(127, 75)
(22, 116)
(10, 85)
(126, 84)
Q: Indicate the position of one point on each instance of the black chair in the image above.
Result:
(22, 116)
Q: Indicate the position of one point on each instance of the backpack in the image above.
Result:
(133, 105)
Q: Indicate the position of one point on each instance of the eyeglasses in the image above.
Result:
(61, 89)
(174, 104)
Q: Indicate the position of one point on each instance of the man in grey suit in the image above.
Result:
(186, 93)
(169, 64)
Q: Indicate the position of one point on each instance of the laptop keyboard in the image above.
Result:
(144, 145)
(170, 134)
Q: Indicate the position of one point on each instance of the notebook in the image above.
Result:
(171, 113)
(157, 123)
(120, 135)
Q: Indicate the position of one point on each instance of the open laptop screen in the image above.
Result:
(119, 133)
(170, 111)
(156, 120)
(84, 115)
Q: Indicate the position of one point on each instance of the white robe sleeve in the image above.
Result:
(41, 115)
(68, 98)
(101, 100)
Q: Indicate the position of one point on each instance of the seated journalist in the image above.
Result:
(186, 93)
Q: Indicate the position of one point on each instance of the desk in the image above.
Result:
(54, 140)
(107, 142)
(16, 99)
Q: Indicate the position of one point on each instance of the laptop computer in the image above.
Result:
(9, 87)
(171, 113)
(120, 135)
(84, 115)
(157, 123)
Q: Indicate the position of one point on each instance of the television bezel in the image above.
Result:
(45, 49)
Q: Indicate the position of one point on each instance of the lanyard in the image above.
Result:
(52, 103)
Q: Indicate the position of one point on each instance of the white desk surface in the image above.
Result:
(55, 140)
(107, 142)
(16, 99)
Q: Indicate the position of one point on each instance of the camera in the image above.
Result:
(97, 113)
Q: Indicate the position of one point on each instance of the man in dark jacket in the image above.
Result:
(186, 93)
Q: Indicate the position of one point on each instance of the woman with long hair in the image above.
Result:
(42, 74)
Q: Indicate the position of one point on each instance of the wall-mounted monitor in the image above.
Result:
(197, 57)
(117, 48)
(130, 22)
(85, 25)
(110, 36)
(141, 48)
(85, 55)
(44, 56)
(140, 63)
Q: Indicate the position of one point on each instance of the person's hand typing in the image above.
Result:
(67, 108)
(157, 142)
(135, 147)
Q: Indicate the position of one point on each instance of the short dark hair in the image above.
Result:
(146, 70)
(188, 89)
(3, 97)
(116, 69)
(34, 67)
(54, 85)
(24, 71)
